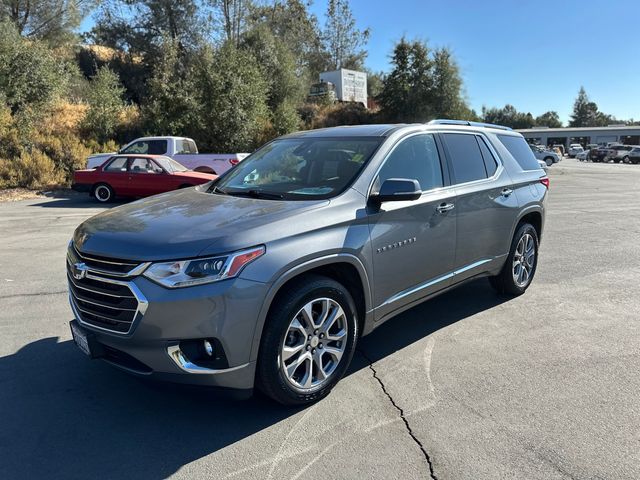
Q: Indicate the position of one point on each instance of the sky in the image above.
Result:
(534, 55)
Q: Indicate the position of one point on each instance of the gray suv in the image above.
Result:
(270, 274)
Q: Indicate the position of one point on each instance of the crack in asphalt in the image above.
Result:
(33, 294)
(402, 416)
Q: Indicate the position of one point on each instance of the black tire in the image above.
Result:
(185, 185)
(548, 161)
(504, 282)
(625, 159)
(103, 193)
(270, 379)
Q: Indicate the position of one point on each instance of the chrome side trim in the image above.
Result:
(184, 364)
(430, 283)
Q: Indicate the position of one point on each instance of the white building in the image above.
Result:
(582, 135)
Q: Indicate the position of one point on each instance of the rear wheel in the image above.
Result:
(626, 159)
(308, 341)
(520, 267)
(548, 161)
(103, 193)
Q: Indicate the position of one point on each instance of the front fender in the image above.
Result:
(300, 269)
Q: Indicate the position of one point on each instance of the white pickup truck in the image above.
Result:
(183, 150)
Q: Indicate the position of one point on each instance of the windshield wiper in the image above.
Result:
(217, 189)
(257, 194)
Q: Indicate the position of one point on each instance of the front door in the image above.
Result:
(143, 177)
(413, 241)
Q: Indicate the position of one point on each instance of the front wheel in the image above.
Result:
(520, 267)
(103, 193)
(308, 341)
(548, 161)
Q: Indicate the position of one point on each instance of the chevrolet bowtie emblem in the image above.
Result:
(79, 270)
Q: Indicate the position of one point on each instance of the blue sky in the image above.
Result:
(532, 54)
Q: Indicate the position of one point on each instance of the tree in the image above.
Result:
(232, 97)
(171, 105)
(52, 20)
(234, 15)
(586, 113)
(31, 78)
(105, 104)
(342, 39)
(447, 87)
(549, 119)
(508, 116)
(286, 90)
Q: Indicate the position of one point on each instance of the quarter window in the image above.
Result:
(519, 150)
(490, 163)
(466, 159)
(414, 158)
(117, 165)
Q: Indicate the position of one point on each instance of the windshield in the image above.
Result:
(300, 168)
(170, 165)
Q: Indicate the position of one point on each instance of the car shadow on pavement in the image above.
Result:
(70, 199)
(66, 417)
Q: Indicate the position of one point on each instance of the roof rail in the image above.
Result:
(467, 123)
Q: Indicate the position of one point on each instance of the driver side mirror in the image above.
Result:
(398, 190)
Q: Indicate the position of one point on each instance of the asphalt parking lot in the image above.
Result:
(470, 385)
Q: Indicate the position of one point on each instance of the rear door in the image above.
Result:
(486, 204)
(413, 240)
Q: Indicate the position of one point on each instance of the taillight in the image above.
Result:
(234, 161)
(545, 181)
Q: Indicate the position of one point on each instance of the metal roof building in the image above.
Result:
(628, 135)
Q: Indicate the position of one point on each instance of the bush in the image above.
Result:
(105, 105)
(33, 170)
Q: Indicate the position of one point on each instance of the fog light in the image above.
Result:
(208, 348)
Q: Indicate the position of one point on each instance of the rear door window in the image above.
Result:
(517, 147)
(466, 158)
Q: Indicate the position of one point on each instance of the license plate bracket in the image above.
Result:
(84, 340)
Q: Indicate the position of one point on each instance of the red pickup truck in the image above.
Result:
(136, 176)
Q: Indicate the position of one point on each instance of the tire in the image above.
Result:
(304, 342)
(548, 161)
(506, 282)
(185, 185)
(625, 160)
(103, 193)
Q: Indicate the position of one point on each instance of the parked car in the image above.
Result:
(136, 176)
(599, 154)
(270, 275)
(583, 156)
(574, 149)
(620, 153)
(634, 155)
(183, 150)
(545, 155)
(559, 149)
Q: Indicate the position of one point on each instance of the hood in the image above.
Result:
(188, 223)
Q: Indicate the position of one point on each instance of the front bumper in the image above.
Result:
(226, 311)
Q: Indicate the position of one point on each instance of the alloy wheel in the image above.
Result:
(314, 343)
(524, 260)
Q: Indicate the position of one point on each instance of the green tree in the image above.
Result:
(232, 97)
(549, 119)
(31, 78)
(52, 20)
(586, 113)
(171, 105)
(508, 116)
(407, 92)
(343, 40)
(448, 101)
(105, 104)
(286, 90)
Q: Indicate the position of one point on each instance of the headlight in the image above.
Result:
(185, 273)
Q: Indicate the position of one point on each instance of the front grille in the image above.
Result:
(100, 300)
(104, 265)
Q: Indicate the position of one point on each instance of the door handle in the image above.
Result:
(445, 207)
(506, 192)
